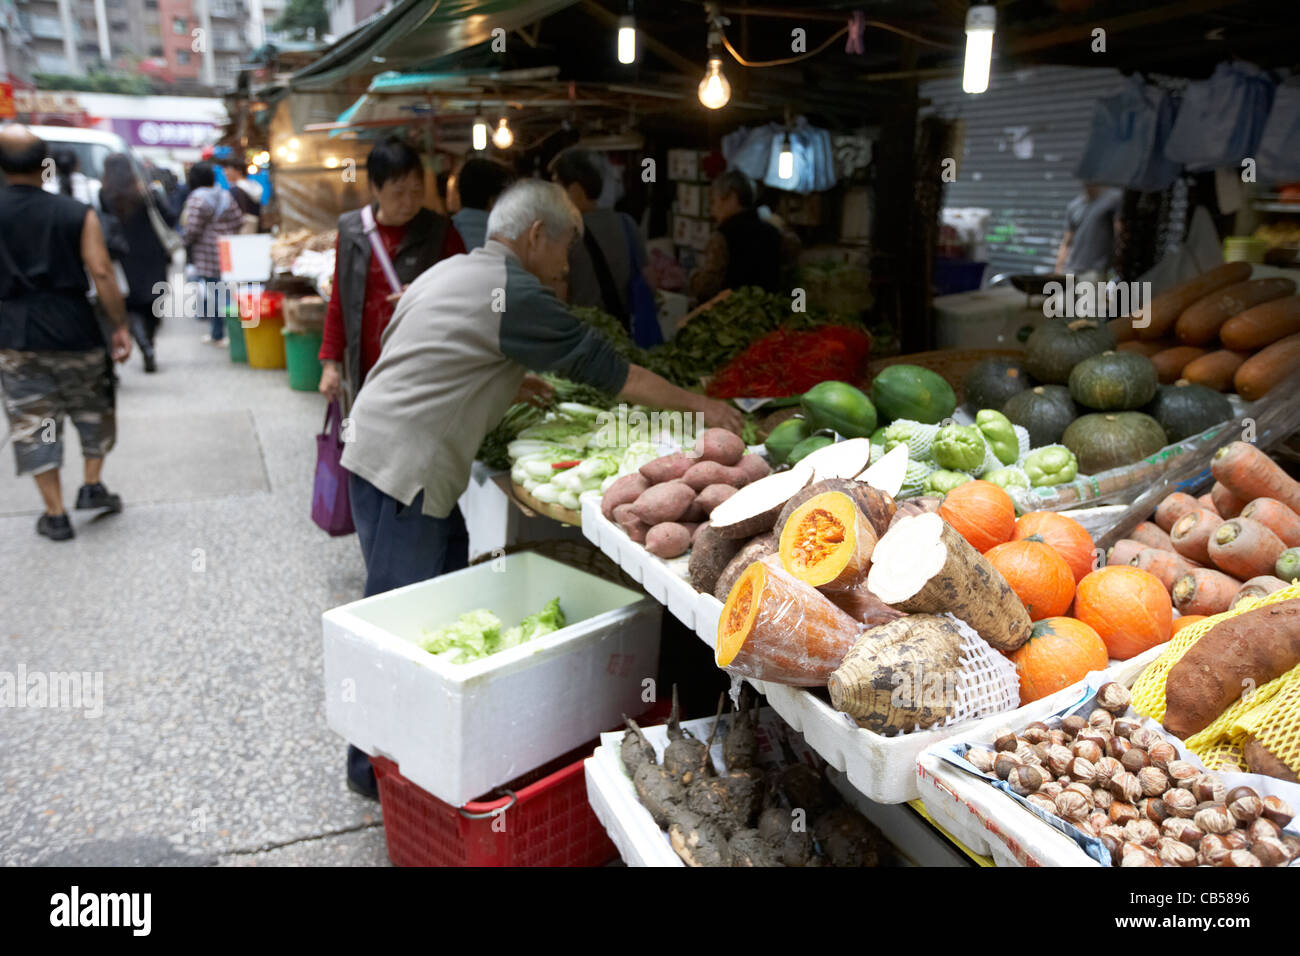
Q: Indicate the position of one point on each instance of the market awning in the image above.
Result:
(416, 32)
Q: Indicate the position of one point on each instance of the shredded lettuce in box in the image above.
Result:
(477, 634)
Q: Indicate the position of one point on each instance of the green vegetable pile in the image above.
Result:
(521, 416)
(478, 634)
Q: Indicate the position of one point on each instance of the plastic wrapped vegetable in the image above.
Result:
(1009, 477)
(1050, 465)
(914, 479)
(941, 482)
(917, 436)
(1000, 433)
(958, 448)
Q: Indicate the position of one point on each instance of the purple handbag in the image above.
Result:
(330, 507)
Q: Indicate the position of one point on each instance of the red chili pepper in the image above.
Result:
(561, 465)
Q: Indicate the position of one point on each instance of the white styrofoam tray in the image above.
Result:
(984, 818)
(457, 731)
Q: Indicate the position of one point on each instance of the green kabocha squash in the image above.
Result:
(1114, 381)
(1057, 346)
(1045, 411)
(1184, 409)
(1106, 440)
(994, 380)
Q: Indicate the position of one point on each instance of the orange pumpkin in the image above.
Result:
(1064, 535)
(1127, 606)
(1039, 576)
(1059, 652)
(1187, 620)
(981, 512)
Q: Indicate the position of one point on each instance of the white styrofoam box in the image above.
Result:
(245, 258)
(457, 731)
(987, 820)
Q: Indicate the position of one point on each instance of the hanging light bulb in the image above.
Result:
(715, 91)
(981, 20)
(785, 162)
(480, 133)
(626, 39)
(502, 138)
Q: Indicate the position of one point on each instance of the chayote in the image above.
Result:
(1052, 465)
(1001, 434)
(941, 482)
(958, 448)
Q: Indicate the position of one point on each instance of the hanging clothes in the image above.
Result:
(1221, 120)
(1126, 142)
(757, 153)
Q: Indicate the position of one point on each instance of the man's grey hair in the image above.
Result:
(529, 201)
(736, 183)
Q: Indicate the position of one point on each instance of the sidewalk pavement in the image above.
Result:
(200, 607)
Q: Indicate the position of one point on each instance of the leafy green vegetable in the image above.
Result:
(477, 634)
(550, 618)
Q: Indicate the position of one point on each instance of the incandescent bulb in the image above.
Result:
(980, 23)
(294, 144)
(626, 40)
(715, 91)
(502, 138)
(331, 162)
(480, 133)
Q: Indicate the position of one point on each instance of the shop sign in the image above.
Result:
(165, 133)
(45, 101)
(7, 110)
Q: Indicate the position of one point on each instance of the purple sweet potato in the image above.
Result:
(668, 539)
(667, 468)
(754, 467)
(666, 502)
(623, 491)
(712, 496)
(632, 526)
(706, 473)
(720, 445)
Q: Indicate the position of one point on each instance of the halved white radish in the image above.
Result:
(923, 566)
(844, 459)
(889, 473)
(754, 508)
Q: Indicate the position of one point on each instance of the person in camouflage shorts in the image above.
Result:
(41, 389)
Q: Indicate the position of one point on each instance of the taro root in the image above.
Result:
(658, 792)
(740, 746)
(847, 838)
(698, 840)
(747, 848)
(635, 749)
(684, 757)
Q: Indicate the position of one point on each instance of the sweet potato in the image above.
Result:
(1152, 535)
(863, 606)
(1244, 548)
(1200, 323)
(1171, 362)
(1204, 591)
(1215, 369)
(710, 553)
(1256, 587)
(1249, 474)
(1191, 533)
(1277, 517)
(1172, 508)
(712, 496)
(1241, 652)
(720, 445)
(632, 526)
(706, 473)
(1262, 760)
(665, 502)
(1165, 308)
(1261, 371)
(754, 467)
(667, 468)
(754, 550)
(668, 539)
(1168, 566)
(1224, 503)
(623, 491)
(1124, 551)
(1262, 325)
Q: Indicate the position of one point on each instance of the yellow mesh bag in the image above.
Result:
(1275, 723)
(1219, 744)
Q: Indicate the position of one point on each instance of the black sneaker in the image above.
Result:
(97, 496)
(150, 363)
(55, 527)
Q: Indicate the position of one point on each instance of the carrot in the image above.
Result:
(1245, 548)
(1187, 620)
(1165, 565)
(1249, 473)
(1263, 325)
(1206, 501)
(1191, 534)
(1215, 369)
(1165, 308)
(1204, 591)
(1226, 504)
(1259, 373)
(1288, 565)
(1277, 517)
(1172, 508)
(1259, 586)
(1124, 551)
(1153, 536)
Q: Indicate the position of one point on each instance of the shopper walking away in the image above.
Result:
(452, 364)
(210, 213)
(470, 196)
(743, 250)
(246, 192)
(145, 260)
(69, 180)
(362, 297)
(53, 361)
(1091, 223)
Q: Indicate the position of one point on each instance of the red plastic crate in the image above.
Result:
(547, 822)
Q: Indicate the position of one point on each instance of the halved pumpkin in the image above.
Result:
(774, 627)
(827, 542)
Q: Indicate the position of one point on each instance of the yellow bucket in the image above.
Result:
(265, 343)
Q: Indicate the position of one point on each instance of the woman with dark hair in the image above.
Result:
(69, 180)
(362, 297)
(141, 254)
(210, 213)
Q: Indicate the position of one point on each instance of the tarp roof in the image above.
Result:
(413, 33)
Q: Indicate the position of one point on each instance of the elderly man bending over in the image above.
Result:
(454, 358)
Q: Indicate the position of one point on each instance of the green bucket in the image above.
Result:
(300, 358)
(235, 336)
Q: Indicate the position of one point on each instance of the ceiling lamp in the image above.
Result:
(715, 91)
(785, 162)
(627, 38)
(981, 20)
(480, 132)
(502, 138)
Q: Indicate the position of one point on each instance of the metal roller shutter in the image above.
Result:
(1021, 142)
